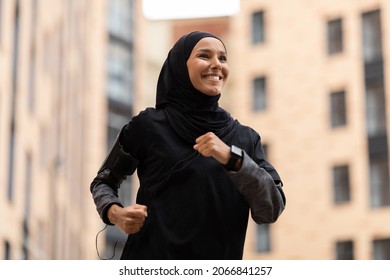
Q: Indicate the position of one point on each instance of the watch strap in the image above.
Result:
(235, 156)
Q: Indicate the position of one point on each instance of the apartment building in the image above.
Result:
(66, 87)
(310, 76)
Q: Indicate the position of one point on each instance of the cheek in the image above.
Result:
(226, 73)
(191, 71)
(194, 73)
(192, 76)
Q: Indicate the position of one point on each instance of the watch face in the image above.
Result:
(237, 151)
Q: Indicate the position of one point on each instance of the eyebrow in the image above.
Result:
(208, 50)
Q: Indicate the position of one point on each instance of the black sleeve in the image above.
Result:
(118, 164)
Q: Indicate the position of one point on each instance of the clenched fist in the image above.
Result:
(209, 145)
(128, 219)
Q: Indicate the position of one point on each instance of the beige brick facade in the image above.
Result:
(59, 77)
(296, 124)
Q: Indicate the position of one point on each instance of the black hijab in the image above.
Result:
(190, 112)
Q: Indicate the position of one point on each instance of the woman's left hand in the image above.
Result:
(209, 145)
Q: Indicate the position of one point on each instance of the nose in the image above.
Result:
(216, 64)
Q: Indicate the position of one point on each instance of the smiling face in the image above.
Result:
(207, 66)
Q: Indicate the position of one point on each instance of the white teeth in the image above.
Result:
(212, 77)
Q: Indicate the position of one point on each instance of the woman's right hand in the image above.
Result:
(128, 219)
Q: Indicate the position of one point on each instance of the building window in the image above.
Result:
(258, 30)
(120, 73)
(381, 249)
(120, 57)
(376, 120)
(341, 184)
(7, 250)
(338, 115)
(335, 36)
(263, 238)
(372, 38)
(375, 111)
(344, 250)
(121, 19)
(379, 181)
(259, 94)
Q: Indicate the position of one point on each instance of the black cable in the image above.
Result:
(96, 244)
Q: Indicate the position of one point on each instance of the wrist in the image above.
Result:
(113, 212)
(238, 165)
(235, 160)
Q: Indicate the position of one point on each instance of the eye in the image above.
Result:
(203, 55)
(223, 58)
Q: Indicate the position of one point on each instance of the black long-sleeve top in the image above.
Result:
(196, 208)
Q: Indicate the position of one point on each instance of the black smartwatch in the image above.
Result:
(235, 155)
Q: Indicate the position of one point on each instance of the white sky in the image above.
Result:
(179, 9)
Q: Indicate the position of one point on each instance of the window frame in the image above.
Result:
(259, 93)
(338, 108)
(258, 27)
(335, 36)
(344, 250)
(341, 182)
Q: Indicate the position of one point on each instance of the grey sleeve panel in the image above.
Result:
(104, 194)
(104, 197)
(265, 197)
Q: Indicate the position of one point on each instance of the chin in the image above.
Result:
(212, 92)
